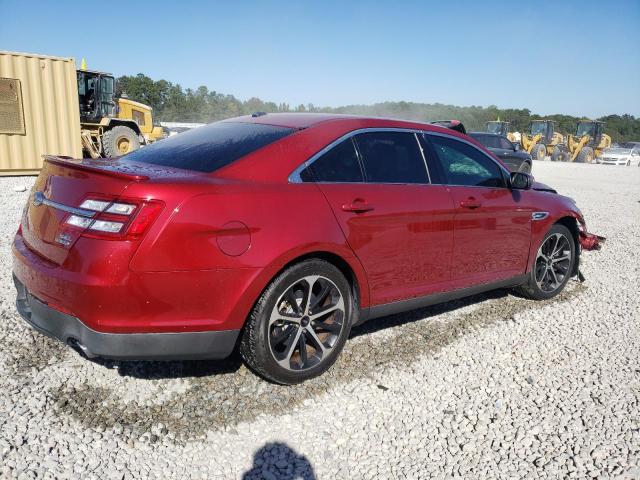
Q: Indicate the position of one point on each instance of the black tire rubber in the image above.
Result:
(525, 167)
(559, 155)
(531, 289)
(585, 154)
(538, 152)
(111, 137)
(254, 347)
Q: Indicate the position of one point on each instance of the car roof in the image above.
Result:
(307, 120)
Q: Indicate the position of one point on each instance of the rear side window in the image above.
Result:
(209, 148)
(505, 144)
(391, 157)
(340, 164)
(466, 165)
(488, 141)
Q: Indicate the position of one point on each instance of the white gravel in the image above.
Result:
(490, 387)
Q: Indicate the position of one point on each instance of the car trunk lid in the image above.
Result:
(59, 191)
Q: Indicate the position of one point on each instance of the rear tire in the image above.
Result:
(553, 265)
(119, 141)
(538, 152)
(586, 155)
(288, 338)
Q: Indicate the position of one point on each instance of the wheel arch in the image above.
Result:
(571, 222)
(116, 122)
(350, 267)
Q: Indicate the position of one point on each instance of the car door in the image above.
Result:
(492, 223)
(398, 224)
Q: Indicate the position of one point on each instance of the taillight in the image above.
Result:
(119, 220)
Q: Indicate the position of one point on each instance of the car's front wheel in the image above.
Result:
(300, 323)
(553, 265)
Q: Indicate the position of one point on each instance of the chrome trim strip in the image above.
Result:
(40, 199)
(294, 177)
(424, 158)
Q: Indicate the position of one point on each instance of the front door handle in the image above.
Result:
(471, 203)
(357, 206)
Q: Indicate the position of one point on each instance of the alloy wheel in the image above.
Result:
(553, 262)
(306, 322)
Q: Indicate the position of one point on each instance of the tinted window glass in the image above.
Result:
(466, 165)
(208, 148)
(391, 157)
(340, 164)
(505, 143)
(489, 141)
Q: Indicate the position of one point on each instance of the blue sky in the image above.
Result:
(580, 58)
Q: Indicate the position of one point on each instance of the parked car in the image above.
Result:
(278, 233)
(515, 159)
(624, 154)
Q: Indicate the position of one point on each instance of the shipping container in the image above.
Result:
(39, 111)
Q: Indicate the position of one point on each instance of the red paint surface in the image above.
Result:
(222, 237)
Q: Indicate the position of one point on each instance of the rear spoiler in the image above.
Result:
(451, 124)
(108, 167)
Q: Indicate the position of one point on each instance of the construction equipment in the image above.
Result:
(588, 142)
(542, 140)
(500, 128)
(111, 127)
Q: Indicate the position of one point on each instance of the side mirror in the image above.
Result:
(521, 181)
(516, 146)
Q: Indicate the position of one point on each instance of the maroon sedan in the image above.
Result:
(278, 233)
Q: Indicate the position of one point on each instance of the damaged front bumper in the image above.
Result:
(590, 241)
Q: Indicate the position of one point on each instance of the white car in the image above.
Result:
(625, 154)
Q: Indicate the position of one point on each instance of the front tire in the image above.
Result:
(300, 324)
(538, 152)
(525, 167)
(559, 155)
(119, 141)
(553, 265)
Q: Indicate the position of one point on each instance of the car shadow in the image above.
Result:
(157, 370)
(278, 461)
(398, 319)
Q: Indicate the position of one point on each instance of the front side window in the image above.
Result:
(209, 148)
(466, 165)
(338, 165)
(391, 157)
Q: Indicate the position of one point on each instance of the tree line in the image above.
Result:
(172, 103)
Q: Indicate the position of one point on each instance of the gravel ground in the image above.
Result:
(493, 386)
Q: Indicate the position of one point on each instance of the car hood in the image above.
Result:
(541, 187)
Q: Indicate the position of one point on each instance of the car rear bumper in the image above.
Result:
(124, 346)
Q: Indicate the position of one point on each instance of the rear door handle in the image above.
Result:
(357, 206)
(470, 203)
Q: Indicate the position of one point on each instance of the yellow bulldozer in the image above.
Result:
(111, 127)
(588, 142)
(500, 128)
(542, 140)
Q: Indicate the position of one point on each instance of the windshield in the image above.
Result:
(538, 128)
(630, 145)
(585, 129)
(208, 148)
(494, 127)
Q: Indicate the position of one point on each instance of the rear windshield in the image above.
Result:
(208, 148)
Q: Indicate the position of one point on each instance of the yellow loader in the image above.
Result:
(542, 140)
(111, 127)
(500, 128)
(588, 142)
